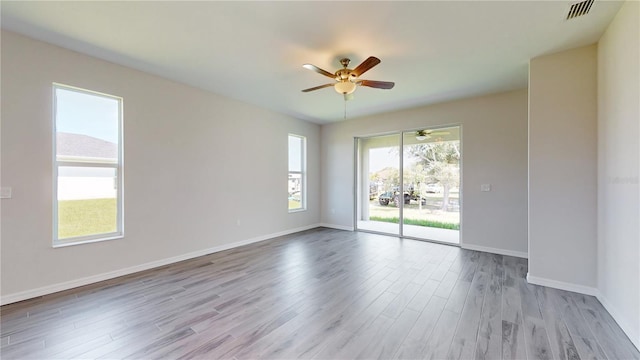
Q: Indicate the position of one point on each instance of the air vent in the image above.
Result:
(579, 9)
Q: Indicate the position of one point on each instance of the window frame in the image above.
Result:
(118, 166)
(302, 172)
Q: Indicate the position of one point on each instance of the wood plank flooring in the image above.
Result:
(319, 294)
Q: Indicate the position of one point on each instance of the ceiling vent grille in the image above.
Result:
(579, 9)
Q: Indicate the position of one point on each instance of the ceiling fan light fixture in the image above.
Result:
(422, 135)
(345, 87)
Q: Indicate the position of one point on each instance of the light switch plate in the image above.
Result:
(485, 187)
(5, 192)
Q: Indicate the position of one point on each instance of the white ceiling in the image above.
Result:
(253, 51)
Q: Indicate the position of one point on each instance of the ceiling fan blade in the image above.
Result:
(366, 65)
(318, 70)
(377, 84)
(317, 87)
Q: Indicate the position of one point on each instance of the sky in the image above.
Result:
(87, 114)
(380, 158)
(295, 156)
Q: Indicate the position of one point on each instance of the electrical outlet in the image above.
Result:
(5, 192)
(485, 187)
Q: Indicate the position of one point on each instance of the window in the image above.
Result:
(87, 166)
(297, 173)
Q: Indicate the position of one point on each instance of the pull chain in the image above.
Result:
(345, 108)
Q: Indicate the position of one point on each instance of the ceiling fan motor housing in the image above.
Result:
(345, 74)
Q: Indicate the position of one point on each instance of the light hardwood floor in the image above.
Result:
(319, 294)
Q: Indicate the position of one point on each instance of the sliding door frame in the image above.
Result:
(357, 192)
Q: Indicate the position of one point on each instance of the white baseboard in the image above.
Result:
(622, 321)
(587, 290)
(337, 227)
(50, 289)
(498, 251)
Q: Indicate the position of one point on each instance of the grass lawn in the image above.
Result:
(86, 217)
(294, 204)
(415, 214)
(419, 222)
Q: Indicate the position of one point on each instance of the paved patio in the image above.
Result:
(414, 231)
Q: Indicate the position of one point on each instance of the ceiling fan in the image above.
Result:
(347, 80)
(422, 135)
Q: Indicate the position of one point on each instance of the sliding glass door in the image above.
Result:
(379, 179)
(427, 164)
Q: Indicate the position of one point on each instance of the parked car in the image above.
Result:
(433, 188)
(390, 196)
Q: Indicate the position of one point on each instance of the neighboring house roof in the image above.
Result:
(84, 146)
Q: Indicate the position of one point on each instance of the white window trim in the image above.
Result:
(104, 163)
(303, 173)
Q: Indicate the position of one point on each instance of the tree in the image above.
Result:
(388, 177)
(415, 179)
(441, 161)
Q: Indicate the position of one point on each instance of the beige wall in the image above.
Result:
(618, 164)
(195, 164)
(494, 146)
(562, 169)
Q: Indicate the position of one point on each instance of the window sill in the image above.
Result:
(296, 210)
(61, 244)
